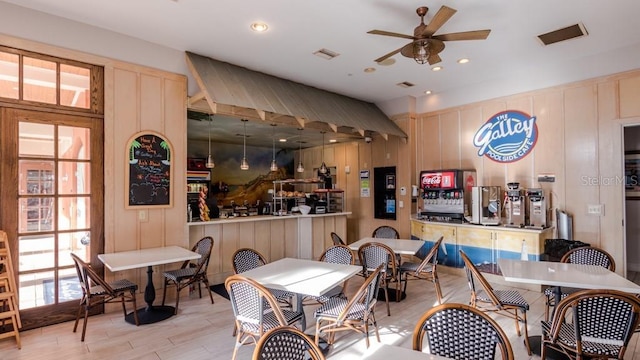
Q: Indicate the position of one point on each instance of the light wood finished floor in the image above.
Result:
(203, 331)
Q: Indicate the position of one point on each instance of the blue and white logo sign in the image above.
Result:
(507, 137)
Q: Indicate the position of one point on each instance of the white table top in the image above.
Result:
(302, 276)
(399, 246)
(386, 352)
(564, 274)
(126, 260)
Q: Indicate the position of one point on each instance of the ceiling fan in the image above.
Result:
(425, 46)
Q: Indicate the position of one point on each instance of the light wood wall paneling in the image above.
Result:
(450, 140)
(291, 238)
(230, 243)
(629, 95)
(247, 235)
(470, 121)
(522, 170)
(493, 173)
(429, 146)
(352, 192)
(277, 242)
(403, 179)
(263, 235)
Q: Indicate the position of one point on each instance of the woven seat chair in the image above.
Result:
(246, 259)
(339, 314)
(336, 254)
(509, 303)
(460, 331)
(592, 324)
(256, 310)
(336, 239)
(587, 255)
(374, 254)
(288, 343)
(386, 232)
(96, 292)
(424, 270)
(191, 273)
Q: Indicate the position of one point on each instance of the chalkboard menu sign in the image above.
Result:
(149, 171)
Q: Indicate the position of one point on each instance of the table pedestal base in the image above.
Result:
(536, 341)
(152, 315)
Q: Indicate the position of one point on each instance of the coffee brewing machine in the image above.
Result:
(515, 206)
(446, 194)
(536, 209)
(486, 205)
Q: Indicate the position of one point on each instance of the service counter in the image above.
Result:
(275, 237)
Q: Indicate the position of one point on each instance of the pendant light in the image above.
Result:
(274, 165)
(244, 164)
(323, 168)
(300, 167)
(210, 164)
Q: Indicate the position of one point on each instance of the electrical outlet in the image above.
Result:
(595, 209)
(142, 216)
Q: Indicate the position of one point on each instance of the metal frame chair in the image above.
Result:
(386, 232)
(509, 303)
(336, 239)
(460, 331)
(592, 324)
(190, 273)
(256, 310)
(96, 292)
(424, 270)
(587, 255)
(340, 314)
(374, 254)
(286, 342)
(336, 254)
(246, 259)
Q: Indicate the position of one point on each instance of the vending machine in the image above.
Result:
(446, 194)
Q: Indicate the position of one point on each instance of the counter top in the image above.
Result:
(262, 218)
(487, 227)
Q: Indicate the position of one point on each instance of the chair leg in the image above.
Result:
(84, 324)
(526, 332)
(164, 291)
(208, 288)
(386, 297)
(135, 308)
(436, 284)
(178, 288)
(75, 326)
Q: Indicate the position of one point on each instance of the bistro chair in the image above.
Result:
(374, 254)
(587, 255)
(256, 310)
(509, 303)
(191, 273)
(96, 292)
(424, 270)
(357, 314)
(286, 342)
(336, 239)
(592, 324)
(246, 259)
(386, 232)
(460, 331)
(336, 254)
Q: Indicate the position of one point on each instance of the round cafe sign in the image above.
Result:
(506, 137)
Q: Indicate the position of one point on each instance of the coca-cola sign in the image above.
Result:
(438, 180)
(506, 137)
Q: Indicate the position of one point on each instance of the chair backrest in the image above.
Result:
(589, 255)
(202, 247)
(460, 331)
(286, 342)
(374, 254)
(249, 301)
(386, 232)
(598, 316)
(246, 259)
(473, 276)
(431, 258)
(88, 277)
(337, 240)
(338, 254)
(367, 295)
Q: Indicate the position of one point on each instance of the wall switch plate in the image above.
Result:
(595, 209)
(142, 216)
(400, 204)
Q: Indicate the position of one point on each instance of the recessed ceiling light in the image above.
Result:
(333, 140)
(436, 68)
(463, 61)
(259, 26)
(427, 92)
(369, 70)
(282, 140)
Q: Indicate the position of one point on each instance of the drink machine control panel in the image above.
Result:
(446, 194)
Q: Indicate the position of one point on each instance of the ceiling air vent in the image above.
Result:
(326, 54)
(405, 84)
(563, 34)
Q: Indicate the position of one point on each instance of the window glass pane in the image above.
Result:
(73, 143)
(9, 75)
(32, 288)
(73, 213)
(36, 177)
(36, 252)
(74, 178)
(36, 214)
(74, 86)
(68, 287)
(35, 140)
(75, 242)
(39, 80)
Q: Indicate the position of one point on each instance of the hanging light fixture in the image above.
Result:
(274, 165)
(300, 167)
(210, 164)
(323, 168)
(421, 51)
(244, 164)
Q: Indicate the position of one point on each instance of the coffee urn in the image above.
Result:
(515, 206)
(536, 209)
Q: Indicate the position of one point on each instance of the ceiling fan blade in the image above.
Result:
(465, 35)
(389, 33)
(445, 13)
(386, 56)
(434, 59)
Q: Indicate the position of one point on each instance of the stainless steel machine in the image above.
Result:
(485, 205)
(446, 194)
(537, 212)
(515, 206)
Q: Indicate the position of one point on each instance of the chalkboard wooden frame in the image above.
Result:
(149, 172)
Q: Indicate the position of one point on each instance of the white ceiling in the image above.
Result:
(509, 61)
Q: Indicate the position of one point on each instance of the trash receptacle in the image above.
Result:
(564, 224)
(554, 249)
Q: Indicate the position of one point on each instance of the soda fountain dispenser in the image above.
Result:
(446, 194)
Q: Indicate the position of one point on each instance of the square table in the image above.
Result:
(399, 246)
(386, 352)
(302, 276)
(134, 259)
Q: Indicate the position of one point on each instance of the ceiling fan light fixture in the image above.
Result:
(437, 68)
(259, 26)
(463, 61)
(421, 51)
